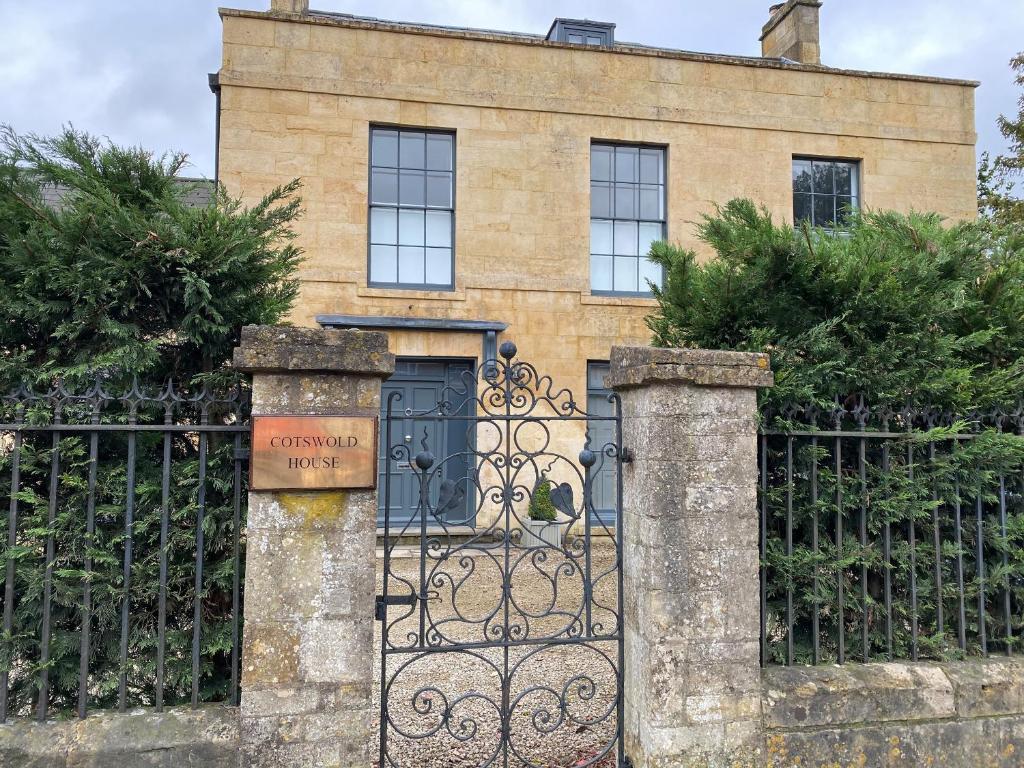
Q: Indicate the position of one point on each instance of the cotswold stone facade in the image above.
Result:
(301, 90)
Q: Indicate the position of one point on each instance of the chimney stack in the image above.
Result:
(289, 6)
(792, 32)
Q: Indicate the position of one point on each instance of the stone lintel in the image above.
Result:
(284, 349)
(637, 366)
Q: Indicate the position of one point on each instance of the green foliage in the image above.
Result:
(914, 489)
(125, 279)
(997, 176)
(900, 310)
(899, 307)
(125, 276)
(541, 507)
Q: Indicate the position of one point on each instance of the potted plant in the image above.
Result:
(543, 528)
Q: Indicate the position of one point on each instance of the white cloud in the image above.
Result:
(139, 75)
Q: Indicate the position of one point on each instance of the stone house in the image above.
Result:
(465, 186)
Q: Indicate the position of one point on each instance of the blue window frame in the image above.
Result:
(825, 192)
(412, 209)
(627, 214)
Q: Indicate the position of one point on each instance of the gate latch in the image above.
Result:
(627, 455)
(381, 602)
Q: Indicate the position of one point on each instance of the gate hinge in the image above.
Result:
(381, 603)
(627, 455)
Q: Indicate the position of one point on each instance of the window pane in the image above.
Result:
(410, 228)
(600, 163)
(844, 205)
(844, 180)
(439, 190)
(651, 171)
(625, 273)
(648, 234)
(600, 236)
(439, 228)
(601, 273)
(801, 175)
(855, 181)
(650, 202)
(649, 273)
(626, 164)
(383, 225)
(824, 210)
(411, 187)
(439, 266)
(801, 208)
(412, 152)
(823, 178)
(383, 264)
(601, 200)
(384, 148)
(439, 152)
(572, 37)
(625, 201)
(625, 240)
(384, 187)
(593, 40)
(410, 265)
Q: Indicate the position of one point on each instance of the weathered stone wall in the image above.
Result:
(199, 738)
(959, 715)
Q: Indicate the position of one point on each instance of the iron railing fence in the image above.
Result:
(122, 557)
(890, 535)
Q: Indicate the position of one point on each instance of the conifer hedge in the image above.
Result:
(122, 281)
(906, 323)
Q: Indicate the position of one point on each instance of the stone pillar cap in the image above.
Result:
(637, 366)
(283, 349)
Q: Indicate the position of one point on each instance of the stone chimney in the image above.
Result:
(792, 32)
(289, 6)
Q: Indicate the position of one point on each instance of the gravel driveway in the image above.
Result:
(546, 599)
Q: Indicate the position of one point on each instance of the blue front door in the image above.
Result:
(423, 384)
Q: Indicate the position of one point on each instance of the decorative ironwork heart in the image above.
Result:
(561, 497)
(450, 498)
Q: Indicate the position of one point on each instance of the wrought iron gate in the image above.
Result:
(502, 645)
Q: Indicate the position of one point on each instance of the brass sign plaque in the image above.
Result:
(313, 452)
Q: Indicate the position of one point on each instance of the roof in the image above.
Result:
(198, 195)
(353, 21)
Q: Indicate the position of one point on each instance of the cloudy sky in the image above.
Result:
(135, 70)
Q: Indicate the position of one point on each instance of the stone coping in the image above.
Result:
(205, 737)
(831, 696)
(284, 349)
(522, 38)
(636, 366)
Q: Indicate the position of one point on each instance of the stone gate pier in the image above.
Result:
(690, 551)
(307, 655)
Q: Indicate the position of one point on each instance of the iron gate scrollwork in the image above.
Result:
(502, 645)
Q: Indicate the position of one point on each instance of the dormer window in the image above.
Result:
(582, 32)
